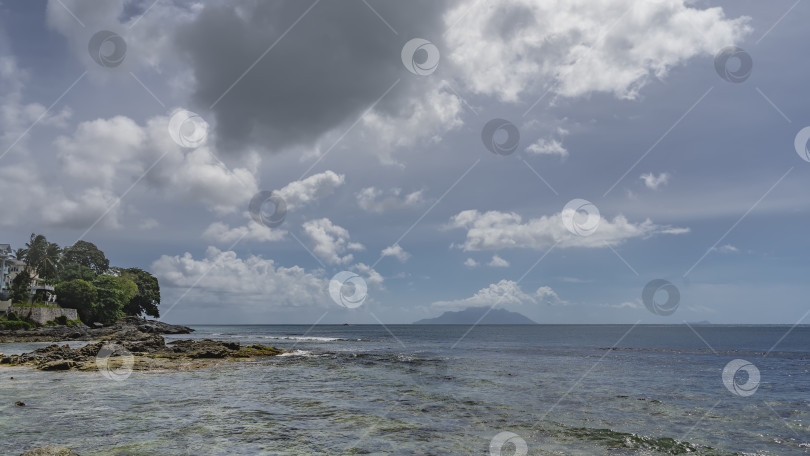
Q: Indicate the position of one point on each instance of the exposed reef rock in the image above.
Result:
(128, 325)
(131, 349)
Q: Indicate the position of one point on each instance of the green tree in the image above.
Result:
(80, 295)
(127, 287)
(147, 300)
(86, 254)
(48, 265)
(112, 294)
(20, 287)
(74, 271)
(40, 257)
(33, 251)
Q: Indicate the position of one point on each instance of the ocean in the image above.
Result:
(438, 390)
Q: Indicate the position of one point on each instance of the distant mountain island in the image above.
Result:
(471, 315)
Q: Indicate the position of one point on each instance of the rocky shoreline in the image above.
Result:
(133, 344)
(82, 332)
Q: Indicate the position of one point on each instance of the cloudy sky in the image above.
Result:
(555, 158)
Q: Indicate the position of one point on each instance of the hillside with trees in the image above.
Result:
(83, 280)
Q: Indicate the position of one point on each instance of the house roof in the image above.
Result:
(5, 249)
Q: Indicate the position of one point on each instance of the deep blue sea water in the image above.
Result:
(431, 390)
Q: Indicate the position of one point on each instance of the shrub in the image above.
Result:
(16, 325)
(61, 320)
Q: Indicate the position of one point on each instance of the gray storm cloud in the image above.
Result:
(331, 66)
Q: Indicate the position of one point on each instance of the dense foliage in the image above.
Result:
(19, 287)
(12, 321)
(148, 296)
(83, 280)
(78, 294)
(86, 254)
(72, 271)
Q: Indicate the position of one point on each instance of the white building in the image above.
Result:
(5, 254)
(10, 266)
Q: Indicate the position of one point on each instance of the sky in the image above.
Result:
(378, 161)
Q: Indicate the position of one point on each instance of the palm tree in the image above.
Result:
(47, 269)
(25, 254)
(40, 257)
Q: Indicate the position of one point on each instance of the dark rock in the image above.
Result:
(123, 329)
(50, 450)
(206, 348)
(20, 404)
(152, 343)
(58, 365)
(147, 348)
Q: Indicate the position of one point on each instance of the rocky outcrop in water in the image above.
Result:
(139, 351)
(128, 325)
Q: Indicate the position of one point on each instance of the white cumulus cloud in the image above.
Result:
(498, 262)
(576, 47)
(242, 282)
(494, 230)
(375, 200)
(301, 192)
(397, 252)
(653, 182)
(545, 146)
(330, 241)
(502, 294)
(728, 248)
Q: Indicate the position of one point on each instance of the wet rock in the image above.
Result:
(149, 343)
(154, 326)
(58, 365)
(147, 350)
(50, 450)
(124, 329)
(20, 404)
(185, 346)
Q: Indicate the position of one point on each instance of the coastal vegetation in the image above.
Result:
(82, 279)
(12, 321)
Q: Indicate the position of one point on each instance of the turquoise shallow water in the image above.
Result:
(363, 390)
